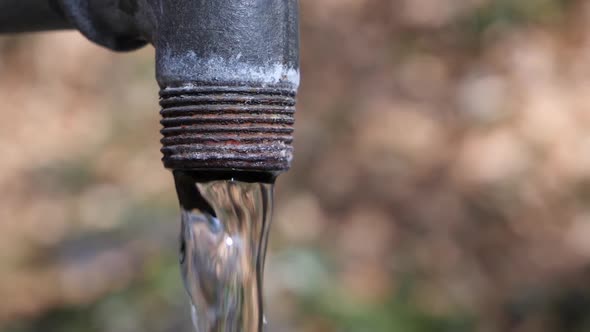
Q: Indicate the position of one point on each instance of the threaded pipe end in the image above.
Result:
(227, 128)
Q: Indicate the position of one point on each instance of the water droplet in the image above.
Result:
(229, 241)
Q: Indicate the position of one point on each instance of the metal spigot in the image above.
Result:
(228, 70)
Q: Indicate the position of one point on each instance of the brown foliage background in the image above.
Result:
(441, 179)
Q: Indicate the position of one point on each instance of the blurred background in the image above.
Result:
(441, 179)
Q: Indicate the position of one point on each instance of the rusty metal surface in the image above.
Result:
(238, 128)
(228, 69)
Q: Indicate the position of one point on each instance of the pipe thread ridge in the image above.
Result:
(225, 127)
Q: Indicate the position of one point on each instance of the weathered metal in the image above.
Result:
(228, 71)
(227, 127)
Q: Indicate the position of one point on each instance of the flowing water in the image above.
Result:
(224, 232)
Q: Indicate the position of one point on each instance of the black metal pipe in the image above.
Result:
(115, 24)
(31, 15)
(228, 72)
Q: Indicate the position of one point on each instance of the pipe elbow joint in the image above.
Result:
(228, 71)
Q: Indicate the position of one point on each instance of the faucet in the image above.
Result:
(228, 70)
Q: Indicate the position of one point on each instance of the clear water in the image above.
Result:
(223, 240)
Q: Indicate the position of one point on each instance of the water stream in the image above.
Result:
(224, 231)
